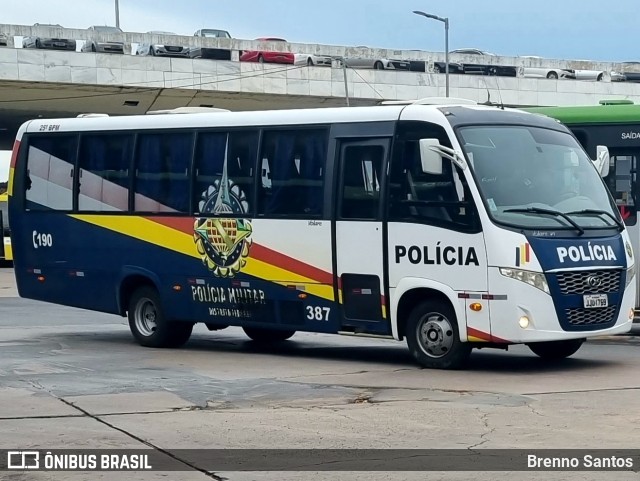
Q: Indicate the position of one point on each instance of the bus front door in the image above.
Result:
(359, 236)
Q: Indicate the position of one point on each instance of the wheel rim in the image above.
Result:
(435, 335)
(145, 317)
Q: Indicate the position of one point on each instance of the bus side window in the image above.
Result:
(442, 200)
(621, 182)
(292, 171)
(238, 150)
(361, 181)
(50, 166)
(104, 163)
(162, 172)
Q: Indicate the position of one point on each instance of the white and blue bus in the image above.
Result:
(445, 223)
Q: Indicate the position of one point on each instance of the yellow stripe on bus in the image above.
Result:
(172, 239)
(10, 184)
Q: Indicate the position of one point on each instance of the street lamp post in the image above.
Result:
(444, 20)
(117, 14)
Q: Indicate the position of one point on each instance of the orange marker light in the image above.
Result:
(41, 278)
(476, 307)
(177, 288)
(302, 296)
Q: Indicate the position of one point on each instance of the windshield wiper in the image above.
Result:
(554, 213)
(618, 224)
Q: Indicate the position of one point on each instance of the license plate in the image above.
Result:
(593, 301)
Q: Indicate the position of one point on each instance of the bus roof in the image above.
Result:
(592, 114)
(256, 118)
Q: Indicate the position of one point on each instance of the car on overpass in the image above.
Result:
(267, 56)
(94, 44)
(211, 52)
(374, 62)
(52, 43)
(541, 71)
(587, 74)
(4, 40)
(163, 50)
(312, 60)
(481, 68)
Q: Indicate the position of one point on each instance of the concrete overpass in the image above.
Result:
(48, 83)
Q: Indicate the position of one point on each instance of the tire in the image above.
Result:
(552, 75)
(152, 52)
(378, 65)
(493, 71)
(93, 47)
(437, 69)
(38, 43)
(600, 78)
(148, 324)
(555, 350)
(442, 351)
(267, 336)
(260, 59)
(309, 62)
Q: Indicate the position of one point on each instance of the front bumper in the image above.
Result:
(540, 308)
(57, 44)
(110, 47)
(172, 51)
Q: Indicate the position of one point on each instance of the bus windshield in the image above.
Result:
(537, 178)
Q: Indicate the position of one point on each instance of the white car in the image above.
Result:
(163, 50)
(312, 60)
(597, 75)
(546, 72)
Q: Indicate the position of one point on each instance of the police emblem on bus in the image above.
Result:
(223, 241)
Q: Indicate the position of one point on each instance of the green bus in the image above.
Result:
(615, 124)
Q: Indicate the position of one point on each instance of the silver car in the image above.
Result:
(95, 45)
(375, 63)
(48, 43)
(163, 50)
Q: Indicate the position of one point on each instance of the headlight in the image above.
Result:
(631, 274)
(535, 279)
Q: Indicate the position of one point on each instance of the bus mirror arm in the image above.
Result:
(453, 155)
(602, 160)
(431, 154)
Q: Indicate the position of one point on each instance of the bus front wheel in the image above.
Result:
(267, 336)
(555, 350)
(149, 325)
(433, 337)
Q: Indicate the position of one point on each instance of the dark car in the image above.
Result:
(208, 52)
(35, 41)
(477, 68)
(454, 68)
(95, 45)
(4, 40)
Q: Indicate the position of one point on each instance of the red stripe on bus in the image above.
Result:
(277, 259)
(182, 224)
(258, 252)
(484, 336)
(14, 154)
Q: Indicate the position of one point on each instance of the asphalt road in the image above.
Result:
(76, 379)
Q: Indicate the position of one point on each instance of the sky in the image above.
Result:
(561, 29)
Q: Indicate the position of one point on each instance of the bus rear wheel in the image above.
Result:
(556, 350)
(149, 325)
(433, 337)
(267, 336)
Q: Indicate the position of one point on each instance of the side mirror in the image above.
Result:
(430, 157)
(602, 160)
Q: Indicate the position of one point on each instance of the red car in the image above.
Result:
(266, 56)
